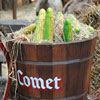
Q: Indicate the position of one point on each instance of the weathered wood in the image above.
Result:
(0, 4)
(69, 61)
(14, 6)
(13, 25)
(6, 4)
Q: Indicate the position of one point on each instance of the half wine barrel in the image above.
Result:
(54, 71)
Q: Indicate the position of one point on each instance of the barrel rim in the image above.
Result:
(64, 43)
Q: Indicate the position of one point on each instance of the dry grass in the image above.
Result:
(92, 17)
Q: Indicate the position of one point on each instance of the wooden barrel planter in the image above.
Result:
(54, 71)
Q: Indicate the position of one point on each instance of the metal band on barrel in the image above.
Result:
(68, 98)
(56, 62)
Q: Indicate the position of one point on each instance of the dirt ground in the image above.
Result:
(26, 12)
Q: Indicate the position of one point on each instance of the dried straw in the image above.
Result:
(92, 17)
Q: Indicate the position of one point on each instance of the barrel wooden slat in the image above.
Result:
(75, 79)
(70, 62)
(57, 52)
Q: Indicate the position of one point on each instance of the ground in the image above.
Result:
(26, 12)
